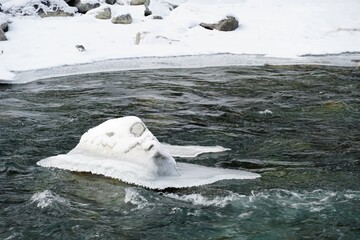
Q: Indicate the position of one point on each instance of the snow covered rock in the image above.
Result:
(56, 13)
(228, 24)
(37, 7)
(153, 39)
(4, 22)
(104, 13)
(125, 149)
(84, 6)
(2, 35)
(122, 19)
(4, 26)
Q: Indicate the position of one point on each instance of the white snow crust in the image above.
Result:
(277, 29)
(192, 151)
(125, 149)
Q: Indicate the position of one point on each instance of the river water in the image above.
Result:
(298, 126)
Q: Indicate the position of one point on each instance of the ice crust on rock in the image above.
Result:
(125, 149)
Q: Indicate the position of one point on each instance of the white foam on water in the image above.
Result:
(312, 201)
(266, 112)
(198, 199)
(352, 195)
(47, 198)
(132, 196)
(245, 215)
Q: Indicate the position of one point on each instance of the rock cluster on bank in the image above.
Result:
(101, 9)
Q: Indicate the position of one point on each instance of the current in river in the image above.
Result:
(298, 126)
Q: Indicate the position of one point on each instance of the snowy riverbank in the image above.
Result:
(274, 32)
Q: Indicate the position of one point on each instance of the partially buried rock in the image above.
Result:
(137, 2)
(2, 35)
(111, 2)
(81, 48)
(84, 6)
(56, 13)
(228, 24)
(122, 19)
(104, 14)
(147, 12)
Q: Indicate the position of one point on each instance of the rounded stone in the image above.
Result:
(137, 129)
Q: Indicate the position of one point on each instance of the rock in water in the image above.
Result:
(122, 19)
(228, 24)
(125, 149)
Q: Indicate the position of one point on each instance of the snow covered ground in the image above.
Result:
(277, 31)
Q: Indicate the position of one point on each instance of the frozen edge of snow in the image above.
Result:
(182, 61)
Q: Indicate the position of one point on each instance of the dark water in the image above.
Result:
(298, 126)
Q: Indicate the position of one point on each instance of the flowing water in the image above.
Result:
(298, 126)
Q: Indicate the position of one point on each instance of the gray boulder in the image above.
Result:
(2, 35)
(122, 19)
(228, 24)
(56, 13)
(83, 7)
(111, 2)
(137, 2)
(104, 14)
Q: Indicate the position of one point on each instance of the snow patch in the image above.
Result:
(4, 74)
(3, 18)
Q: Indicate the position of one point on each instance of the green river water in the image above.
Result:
(298, 126)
